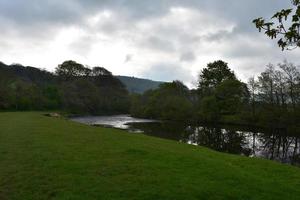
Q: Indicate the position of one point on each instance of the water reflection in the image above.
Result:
(271, 144)
(115, 121)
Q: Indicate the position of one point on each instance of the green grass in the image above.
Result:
(48, 158)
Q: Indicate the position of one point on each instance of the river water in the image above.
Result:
(270, 144)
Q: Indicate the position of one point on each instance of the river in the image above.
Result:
(270, 144)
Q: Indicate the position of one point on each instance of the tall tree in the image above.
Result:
(253, 89)
(100, 71)
(214, 74)
(292, 77)
(267, 85)
(70, 69)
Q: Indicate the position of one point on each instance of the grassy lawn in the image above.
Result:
(49, 158)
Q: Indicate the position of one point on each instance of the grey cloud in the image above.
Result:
(41, 16)
(128, 58)
(31, 12)
(188, 56)
(82, 46)
(160, 44)
(71, 11)
(36, 22)
(218, 36)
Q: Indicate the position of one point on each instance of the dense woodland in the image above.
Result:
(72, 88)
(271, 99)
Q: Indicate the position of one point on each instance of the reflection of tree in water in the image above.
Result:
(281, 147)
(275, 145)
(167, 130)
(216, 138)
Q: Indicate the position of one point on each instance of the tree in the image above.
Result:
(5, 93)
(100, 71)
(214, 74)
(278, 95)
(267, 85)
(220, 92)
(209, 109)
(70, 69)
(292, 78)
(284, 26)
(231, 95)
(253, 88)
(170, 101)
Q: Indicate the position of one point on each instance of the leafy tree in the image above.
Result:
(220, 92)
(79, 89)
(214, 74)
(170, 101)
(228, 98)
(284, 26)
(209, 109)
(231, 95)
(100, 71)
(5, 93)
(52, 97)
(70, 69)
(79, 96)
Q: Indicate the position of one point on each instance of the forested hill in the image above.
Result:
(73, 88)
(138, 85)
(27, 74)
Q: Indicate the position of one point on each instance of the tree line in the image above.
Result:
(73, 88)
(271, 99)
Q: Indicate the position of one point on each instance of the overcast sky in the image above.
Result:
(156, 39)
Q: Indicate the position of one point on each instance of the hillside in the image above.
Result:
(138, 85)
(74, 88)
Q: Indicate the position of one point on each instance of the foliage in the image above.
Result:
(74, 88)
(231, 96)
(276, 95)
(70, 69)
(285, 25)
(209, 109)
(271, 99)
(214, 74)
(220, 92)
(169, 101)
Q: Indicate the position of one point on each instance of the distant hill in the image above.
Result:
(138, 85)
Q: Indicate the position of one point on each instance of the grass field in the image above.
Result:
(49, 158)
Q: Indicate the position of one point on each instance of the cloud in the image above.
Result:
(158, 44)
(128, 58)
(188, 56)
(170, 39)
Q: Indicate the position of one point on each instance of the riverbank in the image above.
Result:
(53, 158)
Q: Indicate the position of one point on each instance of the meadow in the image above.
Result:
(53, 158)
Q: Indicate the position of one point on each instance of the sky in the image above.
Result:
(157, 39)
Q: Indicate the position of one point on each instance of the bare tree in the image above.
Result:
(253, 88)
(292, 77)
